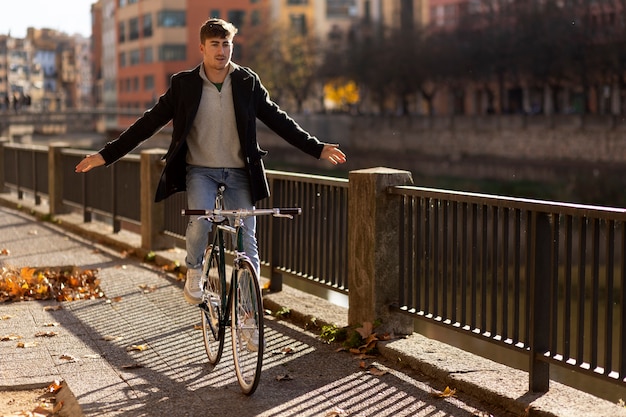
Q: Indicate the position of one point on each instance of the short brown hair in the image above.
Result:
(217, 28)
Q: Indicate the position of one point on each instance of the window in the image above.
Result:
(122, 59)
(121, 32)
(148, 82)
(236, 17)
(134, 57)
(133, 29)
(147, 25)
(173, 52)
(298, 23)
(136, 85)
(171, 18)
(122, 3)
(255, 18)
(215, 13)
(340, 8)
(148, 55)
(297, 2)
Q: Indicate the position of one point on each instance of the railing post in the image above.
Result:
(55, 178)
(373, 258)
(276, 280)
(152, 214)
(3, 142)
(539, 320)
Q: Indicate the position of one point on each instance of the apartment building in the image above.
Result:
(4, 73)
(42, 71)
(142, 43)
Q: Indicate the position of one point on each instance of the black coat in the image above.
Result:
(180, 105)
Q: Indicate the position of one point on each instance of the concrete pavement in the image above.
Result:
(302, 376)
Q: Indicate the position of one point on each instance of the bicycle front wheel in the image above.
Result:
(247, 327)
(213, 327)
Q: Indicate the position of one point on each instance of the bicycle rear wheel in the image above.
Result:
(212, 312)
(247, 327)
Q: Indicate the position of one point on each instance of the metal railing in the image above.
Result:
(542, 278)
(311, 246)
(539, 277)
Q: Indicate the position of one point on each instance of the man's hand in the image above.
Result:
(89, 162)
(332, 153)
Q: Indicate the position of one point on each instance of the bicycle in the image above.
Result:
(239, 305)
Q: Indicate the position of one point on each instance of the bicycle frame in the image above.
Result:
(240, 304)
(219, 248)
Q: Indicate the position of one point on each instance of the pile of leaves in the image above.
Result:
(61, 284)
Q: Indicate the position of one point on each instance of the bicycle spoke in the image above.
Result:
(247, 328)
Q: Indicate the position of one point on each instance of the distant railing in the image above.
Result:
(545, 279)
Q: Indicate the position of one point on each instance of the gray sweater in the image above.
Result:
(213, 140)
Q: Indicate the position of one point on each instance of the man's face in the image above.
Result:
(216, 52)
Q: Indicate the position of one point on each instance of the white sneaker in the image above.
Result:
(250, 334)
(193, 287)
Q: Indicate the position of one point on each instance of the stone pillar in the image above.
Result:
(152, 214)
(374, 265)
(55, 178)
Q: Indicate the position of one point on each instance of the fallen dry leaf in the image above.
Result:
(148, 289)
(10, 337)
(365, 356)
(337, 412)
(138, 348)
(67, 358)
(285, 377)
(55, 386)
(25, 345)
(445, 394)
(366, 330)
(7, 317)
(54, 324)
(283, 351)
(53, 308)
(111, 338)
(57, 408)
(376, 372)
(61, 284)
(5, 251)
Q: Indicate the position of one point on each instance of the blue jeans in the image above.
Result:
(202, 183)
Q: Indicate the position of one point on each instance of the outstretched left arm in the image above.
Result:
(332, 153)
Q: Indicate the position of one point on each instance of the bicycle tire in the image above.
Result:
(213, 327)
(246, 323)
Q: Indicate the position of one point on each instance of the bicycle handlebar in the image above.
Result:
(243, 212)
